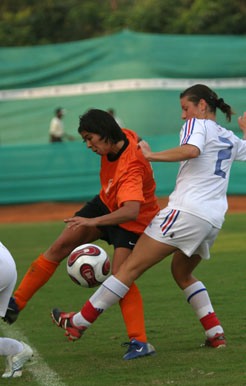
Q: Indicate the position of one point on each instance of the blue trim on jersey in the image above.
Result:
(189, 128)
(195, 293)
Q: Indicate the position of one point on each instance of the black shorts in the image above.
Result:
(112, 234)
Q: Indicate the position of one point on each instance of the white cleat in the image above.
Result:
(15, 363)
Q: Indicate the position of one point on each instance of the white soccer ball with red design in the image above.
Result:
(88, 265)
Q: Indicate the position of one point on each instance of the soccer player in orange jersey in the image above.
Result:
(119, 214)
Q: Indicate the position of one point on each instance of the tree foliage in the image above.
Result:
(29, 22)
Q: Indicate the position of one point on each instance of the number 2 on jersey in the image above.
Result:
(223, 154)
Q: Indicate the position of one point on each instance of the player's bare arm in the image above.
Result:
(179, 153)
(128, 212)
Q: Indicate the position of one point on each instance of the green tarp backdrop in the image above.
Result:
(139, 75)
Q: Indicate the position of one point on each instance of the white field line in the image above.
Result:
(40, 371)
(118, 86)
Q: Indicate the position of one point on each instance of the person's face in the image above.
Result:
(60, 114)
(190, 110)
(95, 143)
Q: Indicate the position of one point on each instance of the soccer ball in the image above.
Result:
(88, 265)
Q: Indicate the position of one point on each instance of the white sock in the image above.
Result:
(109, 293)
(197, 295)
(79, 320)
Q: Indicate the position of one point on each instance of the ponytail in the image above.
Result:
(225, 108)
(200, 91)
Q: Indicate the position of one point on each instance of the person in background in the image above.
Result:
(188, 226)
(120, 212)
(16, 353)
(56, 130)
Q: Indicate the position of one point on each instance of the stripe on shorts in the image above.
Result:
(169, 221)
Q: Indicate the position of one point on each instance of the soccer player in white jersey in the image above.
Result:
(16, 353)
(190, 223)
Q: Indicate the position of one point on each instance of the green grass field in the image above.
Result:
(172, 327)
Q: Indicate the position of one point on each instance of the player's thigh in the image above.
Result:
(145, 254)
(69, 239)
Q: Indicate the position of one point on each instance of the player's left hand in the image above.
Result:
(242, 123)
(76, 222)
(144, 146)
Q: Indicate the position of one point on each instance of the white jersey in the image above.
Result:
(56, 127)
(202, 182)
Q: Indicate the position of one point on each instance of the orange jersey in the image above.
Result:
(129, 178)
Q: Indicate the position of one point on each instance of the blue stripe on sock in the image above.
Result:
(110, 290)
(195, 293)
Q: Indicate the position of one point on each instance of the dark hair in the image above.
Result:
(200, 91)
(102, 123)
(59, 110)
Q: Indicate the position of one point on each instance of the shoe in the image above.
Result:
(64, 320)
(12, 312)
(217, 341)
(15, 363)
(137, 349)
